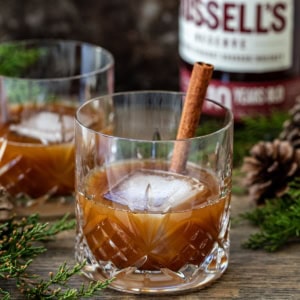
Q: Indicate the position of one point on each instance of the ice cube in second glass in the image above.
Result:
(48, 127)
(154, 190)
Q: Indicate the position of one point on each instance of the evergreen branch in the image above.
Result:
(15, 59)
(5, 294)
(20, 242)
(278, 221)
(56, 287)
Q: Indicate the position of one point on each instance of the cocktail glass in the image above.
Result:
(42, 82)
(149, 228)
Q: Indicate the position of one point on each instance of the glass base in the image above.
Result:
(130, 280)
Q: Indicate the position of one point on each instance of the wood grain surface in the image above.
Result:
(250, 275)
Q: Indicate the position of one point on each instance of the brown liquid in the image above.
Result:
(30, 168)
(185, 234)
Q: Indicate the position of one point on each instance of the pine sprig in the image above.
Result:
(56, 287)
(278, 221)
(15, 59)
(18, 245)
(20, 242)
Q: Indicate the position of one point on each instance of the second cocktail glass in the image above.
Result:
(42, 82)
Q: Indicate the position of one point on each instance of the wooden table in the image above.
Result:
(250, 275)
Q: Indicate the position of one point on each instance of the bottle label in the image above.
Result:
(249, 98)
(249, 36)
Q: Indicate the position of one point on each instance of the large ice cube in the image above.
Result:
(48, 127)
(154, 190)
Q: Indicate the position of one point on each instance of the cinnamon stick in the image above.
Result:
(191, 113)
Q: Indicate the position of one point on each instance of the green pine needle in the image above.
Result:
(20, 242)
(56, 287)
(278, 221)
(15, 59)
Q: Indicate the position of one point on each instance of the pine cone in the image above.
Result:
(269, 169)
(291, 127)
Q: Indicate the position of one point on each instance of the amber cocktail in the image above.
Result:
(151, 229)
(38, 152)
(41, 85)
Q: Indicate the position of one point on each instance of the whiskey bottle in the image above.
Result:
(254, 46)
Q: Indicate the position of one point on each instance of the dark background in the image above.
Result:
(141, 34)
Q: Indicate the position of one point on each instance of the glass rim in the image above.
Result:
(225, 127)
(106, 52)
